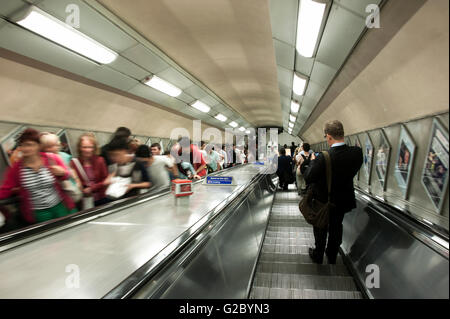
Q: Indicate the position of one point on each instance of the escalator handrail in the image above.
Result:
(429, 236)
(138, 278)
(20, 236)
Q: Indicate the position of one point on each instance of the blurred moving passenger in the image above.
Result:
(196, 157)
(345, 162)
(133, 145)
(156, 149)
(172, 168)
(284, 170)
(120, 133)
(125, 166)
(156, 167)
(185, 168)
(303, 161)
(37, 178)
(91, 170)
(50, 143)
(223, 157)
(212, 159)
(292, 148)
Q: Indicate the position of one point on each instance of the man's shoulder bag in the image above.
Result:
(315, 212)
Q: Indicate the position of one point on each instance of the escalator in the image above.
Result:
(285, 270)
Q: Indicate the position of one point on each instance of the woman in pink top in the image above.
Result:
(36, 177)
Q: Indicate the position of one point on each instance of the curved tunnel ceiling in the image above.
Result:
(227, 45)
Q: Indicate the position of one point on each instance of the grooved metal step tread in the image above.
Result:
(292, 258)
(300, 281)
(280, 293)
(305, 269)
(284, 268)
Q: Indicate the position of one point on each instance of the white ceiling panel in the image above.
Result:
(314, 91)
(91, 23)
(341, 33)
(185, 98)
(124, 66)
(176, 78)
(322, 74)
(303, 65)
(284, 54)
(146, 59)
(357, 6)
(8, 7)
(285, 76)
(196, 92)
(112, 78)
(283, 15)
(38, 48)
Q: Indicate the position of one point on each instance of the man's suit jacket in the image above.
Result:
(345, 163)
(284, 166)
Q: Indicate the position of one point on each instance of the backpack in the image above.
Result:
(305, 164)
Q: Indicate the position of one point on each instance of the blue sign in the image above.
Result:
(219, 180)
(258, 163)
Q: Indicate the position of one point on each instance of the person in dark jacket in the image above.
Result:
(345, 163)
(120, 133)
(284, 170)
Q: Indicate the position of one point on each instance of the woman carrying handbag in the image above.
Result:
(92, 171)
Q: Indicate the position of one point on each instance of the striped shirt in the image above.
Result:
(41, 187)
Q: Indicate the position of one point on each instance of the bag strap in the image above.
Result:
(81, 170)
(328, 166)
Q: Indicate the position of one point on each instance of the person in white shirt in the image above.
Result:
(300, 158)
(223, 157)
(157, 167)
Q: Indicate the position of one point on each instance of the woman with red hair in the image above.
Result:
(37, 177)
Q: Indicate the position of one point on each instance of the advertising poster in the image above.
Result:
(435, 172)
(383, 153)
(368, 158)
(404, 161)
(65, 147)
(9, 145)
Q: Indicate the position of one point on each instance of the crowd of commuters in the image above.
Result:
(50, 183)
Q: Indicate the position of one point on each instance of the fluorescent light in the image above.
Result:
(292, 118)
(247, 132)
(163, 86)
(242, 129)
(221, 117)
(291, 124)
(233, 124)
(299, 85)
(57, 31)
(294, 107)
(310, 18)
(201, 106)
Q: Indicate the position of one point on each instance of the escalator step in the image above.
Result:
(304, 269)
(292, 258)
(300, 281)
(279, 293)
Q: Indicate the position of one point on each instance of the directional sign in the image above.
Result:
(219, 180)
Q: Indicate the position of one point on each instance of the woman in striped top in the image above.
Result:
(37, 180)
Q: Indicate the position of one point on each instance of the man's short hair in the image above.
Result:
(306, 147)
(335, 129)
(156, 145)
(119, 144)
(143, 151)
(283, 151)
(122, 132)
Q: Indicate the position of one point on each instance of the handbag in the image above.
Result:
(88, 201)
(315, 212)
(69, 187)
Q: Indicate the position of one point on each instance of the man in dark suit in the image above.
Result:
(284, 170)
(345, 163)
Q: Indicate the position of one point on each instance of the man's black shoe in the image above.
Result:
(315, 259)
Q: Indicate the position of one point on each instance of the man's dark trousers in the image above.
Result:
(334, 233)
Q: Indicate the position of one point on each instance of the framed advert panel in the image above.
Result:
(383, 154)
(435, 170)
(404, 161)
